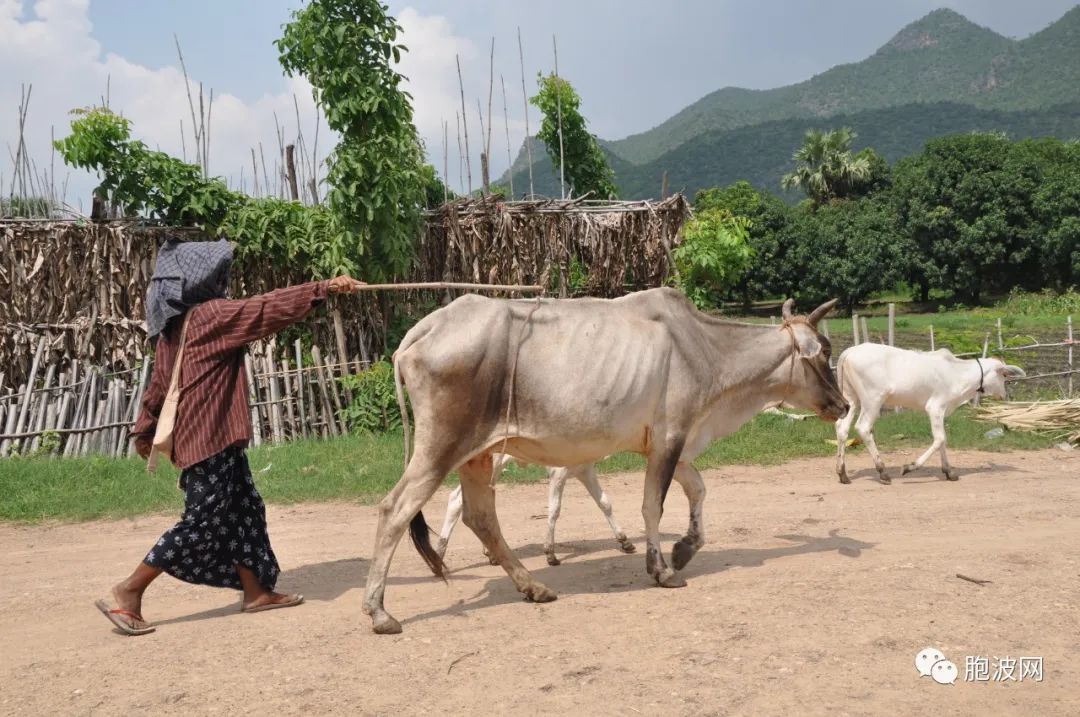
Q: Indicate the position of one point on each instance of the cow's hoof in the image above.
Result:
(681, 553)
(908, 467)
(383, 624)
(440, 548)
(952, 475)
(884, 478)
(626, 546)
(670, 579)
(491, 559)
(844, 478)
(552, 560)
(539, 593)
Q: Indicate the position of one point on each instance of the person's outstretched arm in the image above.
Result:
(242, 321)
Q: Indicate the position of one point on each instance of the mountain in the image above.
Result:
(943, 57)
(761, 153)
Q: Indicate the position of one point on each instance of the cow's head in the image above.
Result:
(994, 373)
(809, 380)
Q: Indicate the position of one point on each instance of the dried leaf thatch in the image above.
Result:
(81, 284)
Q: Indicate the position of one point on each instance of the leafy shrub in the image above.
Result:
(374, 408)
(712, 256)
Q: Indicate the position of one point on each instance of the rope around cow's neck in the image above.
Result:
(791, 369)
(510, 396)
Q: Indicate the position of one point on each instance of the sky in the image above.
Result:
(634, 62)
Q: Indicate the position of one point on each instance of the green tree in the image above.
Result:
(712, 256)
(347, 50)
(1056, 210)
(585, 165)
(848, 250)
(967, 202)
(825, 168)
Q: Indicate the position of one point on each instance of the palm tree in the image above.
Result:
(825, 168)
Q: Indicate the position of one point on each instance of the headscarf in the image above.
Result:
(186, 275)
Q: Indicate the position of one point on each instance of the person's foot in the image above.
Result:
(270, 600)
(128, 599)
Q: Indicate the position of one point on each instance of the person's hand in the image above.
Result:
(344, 284)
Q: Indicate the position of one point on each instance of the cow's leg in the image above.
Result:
(865, 427)
(659, 472)
(587, 475)
(843, 429)
(556, 484)
(419, 482)
(937, 427)
(694, 487)
(480, 516)
(453, 515)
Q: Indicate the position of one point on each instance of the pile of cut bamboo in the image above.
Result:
(1061, 419)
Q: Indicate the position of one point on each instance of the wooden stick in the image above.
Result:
(43, 405)
(558, 104)
(525, 99)
(465, 122)
(24, 405)
(506, 126)
(855, 330)
(977, 581)
(865, 330)
(535, 288)
(335, 395)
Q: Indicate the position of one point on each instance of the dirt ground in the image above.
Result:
(809, 598)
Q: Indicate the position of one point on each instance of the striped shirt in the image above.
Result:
(213, 410)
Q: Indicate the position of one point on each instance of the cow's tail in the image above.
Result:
(419, 532)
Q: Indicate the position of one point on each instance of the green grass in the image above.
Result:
(363, 468)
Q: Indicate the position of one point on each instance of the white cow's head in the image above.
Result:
(994, 373)
(809, 379)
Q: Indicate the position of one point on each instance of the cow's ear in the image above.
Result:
(807, 344)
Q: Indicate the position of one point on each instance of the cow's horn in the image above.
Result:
(786, 311)
(819, 313)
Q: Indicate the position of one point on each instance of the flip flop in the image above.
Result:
(124, 620)
(297, 599)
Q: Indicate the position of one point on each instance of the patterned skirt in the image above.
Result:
(223, 525)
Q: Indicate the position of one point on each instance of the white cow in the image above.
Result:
(875, 376)
(557, 478)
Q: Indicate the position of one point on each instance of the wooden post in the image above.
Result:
(932, 347)
(286, 381)
(1001, 344)
(1069, 336)
(43, 406)
(892, 324)
(855, 329)
(865, 331)
(290, 166)
(275, 396)
(300, 387)
(256, 421)
(986, 348)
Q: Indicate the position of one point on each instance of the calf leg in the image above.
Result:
(694, 487)
(865, 427)
(843, 428)
(556, 484)
(659, 472)
(587, 476)
(937, 427)
(479, 494)
(453, 515)
(419, 482)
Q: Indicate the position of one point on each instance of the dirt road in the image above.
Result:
(809, 598)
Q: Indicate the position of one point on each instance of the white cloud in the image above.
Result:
(50, 44)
